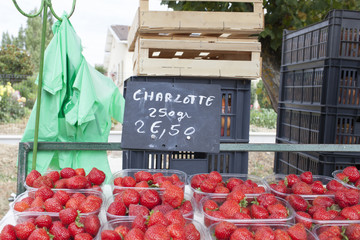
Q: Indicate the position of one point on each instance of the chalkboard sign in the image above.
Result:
(172, 117)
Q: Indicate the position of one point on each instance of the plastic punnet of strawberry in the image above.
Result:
(131, 202)
(305, 184)
(52, 201)
(159, 226)
(342, 208)
(216, 184)
(350, 231)
(153, 178)
(66, 178)
(44, 226)
(349, 176)
(226, 230)
(236, 207)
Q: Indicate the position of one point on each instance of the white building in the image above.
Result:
(118, 61)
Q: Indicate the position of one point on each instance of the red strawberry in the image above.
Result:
(323, 201)
(44, 192)
(334, 185)
(301, 188)
(128, 181)
(306, 177)
(352, 231)
(176, 231)
(291, 179)
(317, 187)
(135, 234)
(54, 176)
(139, 222)
(242, 215)
(349, 213)
(210, 205)
(186, 207)
(43, 221)
(53, 205)
(297, 232)
(221, 189)
(91, 204)
(281, 234)
(21, 206)
(76, 228)
(39, 234)
(330, 232)
(67, 216)
(224, 229)
(67, 172)
(43, 181)
(38, 202)
(23, 230)
(80, 171)
(232, 182)
(322, 214)
(110, 235)
(143, 184)
(77, 182)
(347, 197)
(61, 183)
(73, 203)
(30, 178)
(175, 216)
(191, 232)
(130, 196)
(277, 211)
(96, 176)
(297, 202)
(8, 233)
(135, 209)
(157, 218)
(143, 176)
(164, 208)
(156, 175)
(301, 218)
(59, 231)
(62, 196)
(352, 173)
(342, 176)
(264, 232)
(216, 176)
(258, 212)
(236, 195)
(314, 208)
(157, 232)
(214, 214)
(150, 198)
(122, 230)
(117, 181)
(229, 208)
(267, 199)
(208, 185)
(196, 180)
(173, 195)
(242, 233)
(83, 236)
(92, 224)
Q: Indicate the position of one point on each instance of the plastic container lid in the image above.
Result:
(348, 185)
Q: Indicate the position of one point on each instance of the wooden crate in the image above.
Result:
(225, 24)
(197, 57)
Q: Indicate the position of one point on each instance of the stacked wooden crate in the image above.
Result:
(197, 43)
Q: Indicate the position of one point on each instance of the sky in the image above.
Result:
(91, 20)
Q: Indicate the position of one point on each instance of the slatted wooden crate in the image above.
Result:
(223, 24)
(206, 57)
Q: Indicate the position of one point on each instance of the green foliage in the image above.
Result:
(27, 89)
(262, 95)
(14, 61)
(11, 104)
(253, 94)
(263, 118)
(100, 68)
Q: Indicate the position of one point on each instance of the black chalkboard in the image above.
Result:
(172, 117)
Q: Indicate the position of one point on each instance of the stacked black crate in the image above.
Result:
(320, 93)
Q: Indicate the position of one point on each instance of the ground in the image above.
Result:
(260, 164)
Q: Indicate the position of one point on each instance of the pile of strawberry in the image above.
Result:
(236, 206)
(349, 175)
(349, 232)
(171, 225)
(304, 184)
(133, 201)
(45, 199)
(229, 231)
(68, 226)
(67, 178)
(145, 179)
(344, 206)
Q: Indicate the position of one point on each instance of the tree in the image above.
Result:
(14, 60)
(100, 68)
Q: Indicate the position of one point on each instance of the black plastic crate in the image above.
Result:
(335, 37)
(189, 162)
(318, 125)
(235, 112)
(331, 82)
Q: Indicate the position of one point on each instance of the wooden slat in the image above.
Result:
(133, 32)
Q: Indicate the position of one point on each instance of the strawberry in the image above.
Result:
(323, 201)
(224, 229)
(39, 234)
(53, 175)
(30, 178)
(352, 231)
(176, 180)
(175, 216)
(311, 210)
(59, 231)
(352, 173)
(191, 232)
(210, 205)
(186, 207)
(281, 234)
(291, 179)
(347, 197)
(61, 183)
(43, 221)
(53, 205)
(301, 218)
(8, 233)
(67, 216)
(128, 181)
(221, 189)
(277, 211)
(157, 218)
(342, 176)
(242, 215)
(122, 230)
(92, 224)
(216, 176)
(110, 235)
(80, 171)
(258, 212)
(267, 199)
(44, 192)
(43, 181)
(84, 236)
(150, 198)
(297, 202)
(143, 184)
(91, 204)
(156, 175)
(130, 196)
(78, 195)
(62, 196)
(135, 209)
(214, 214)
(229, 208)
(196, 180)
(176, 231)
(306, 177)
(140, 223)
(330, 232)
(157, 232)
(67, 172)
(246, 189)
(77, 182)
(117, 208)
(242, 233)
(236, 195)
(173, 195)
(76, 228)
(232, 182)
(322, 214)
(28, 200)
(334, 185)
(96, 176)
(73, 203)
(297, 232)
(21, 206)
(134, 234)
(38, 202)
(164, 208)
(301, 188)
(23, 230)
(117, 181)
(208, 185)
(317, 187)
(349, 213)
(143, 176)
(264, 232)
